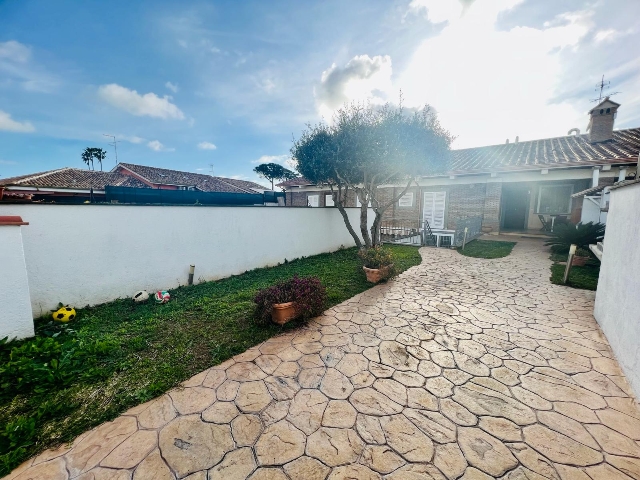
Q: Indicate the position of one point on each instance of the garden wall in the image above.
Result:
(617, 307)
(89, 254)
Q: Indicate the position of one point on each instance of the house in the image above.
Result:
(74, 185)
(514, 187)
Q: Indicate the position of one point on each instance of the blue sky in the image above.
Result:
(187, 84)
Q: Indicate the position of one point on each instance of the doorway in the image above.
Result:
(515, 206)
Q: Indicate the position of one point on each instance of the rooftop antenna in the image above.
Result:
(602, 85)
(114, 145)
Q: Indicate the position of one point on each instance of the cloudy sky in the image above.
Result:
(187, 85)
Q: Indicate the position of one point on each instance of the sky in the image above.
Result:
(221, 86)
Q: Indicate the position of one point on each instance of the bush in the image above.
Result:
(375, 257)
(582, 235)
(308, 293)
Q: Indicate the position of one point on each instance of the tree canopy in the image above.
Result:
(367, 146)
(92, 153)
(274, 171)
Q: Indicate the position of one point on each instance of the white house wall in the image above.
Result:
(617, 307)
(89, 254)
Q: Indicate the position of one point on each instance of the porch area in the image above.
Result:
(458, 368)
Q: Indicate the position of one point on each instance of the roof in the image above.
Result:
(295, 182)
(73, 178)
(560, 152)
(590, 191)
(626, 183)
(206, 183)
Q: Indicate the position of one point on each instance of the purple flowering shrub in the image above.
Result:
(308, 293)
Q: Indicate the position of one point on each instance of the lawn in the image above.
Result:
(487, 249)
(585, 277)
(70, 378)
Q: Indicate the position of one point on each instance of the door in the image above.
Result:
(433, 209)
(515, 203)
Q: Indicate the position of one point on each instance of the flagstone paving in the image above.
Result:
(460, 368)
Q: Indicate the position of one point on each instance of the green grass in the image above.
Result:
(71, 378)
(487, 249)
(585, 277)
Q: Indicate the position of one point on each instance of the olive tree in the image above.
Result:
(366, 147)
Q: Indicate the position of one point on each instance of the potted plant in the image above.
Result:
(581, 257)
(582, 235)
(377, 263)
(298, 297)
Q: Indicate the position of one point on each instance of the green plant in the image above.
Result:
(582, 235)
(487, 249)
(308, 293)
(376, 257)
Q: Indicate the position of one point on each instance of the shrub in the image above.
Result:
(582, 235)
(375, 257)
(308, 293)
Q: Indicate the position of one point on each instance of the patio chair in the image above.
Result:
(546, 225)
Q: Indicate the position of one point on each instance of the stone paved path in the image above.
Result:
(460, 368)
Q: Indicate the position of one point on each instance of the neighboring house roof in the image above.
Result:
(295, 182)
(569, 151)
(590, 191)
(206, 183)
(73, 178)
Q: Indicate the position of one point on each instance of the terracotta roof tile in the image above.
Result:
(548, 153)
(73, 178)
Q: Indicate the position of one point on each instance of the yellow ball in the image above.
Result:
(64, 314)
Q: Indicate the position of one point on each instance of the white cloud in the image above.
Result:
(155, 145)
(284, 160)
(8, 124)
(172, 86)
(15, 51)
(362, 78)
(8, 162)
(489, 84)
(133, 139)
(206, 146)
(132, 102)
(437, 11)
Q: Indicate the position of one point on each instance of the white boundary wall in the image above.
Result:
(89, 254)
(617, 307)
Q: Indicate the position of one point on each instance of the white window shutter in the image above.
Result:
(434, 208)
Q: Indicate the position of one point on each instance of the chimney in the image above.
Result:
(601, 119)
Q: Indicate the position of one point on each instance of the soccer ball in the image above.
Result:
(162, 297)
(64, 314)
(141, 296)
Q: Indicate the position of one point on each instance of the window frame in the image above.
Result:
(327, 197)
(432, 205)
(410, 204)
(317, 200)
(562, 185)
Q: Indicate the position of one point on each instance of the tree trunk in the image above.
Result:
(339, 201)
(375, 229)
(364, 207)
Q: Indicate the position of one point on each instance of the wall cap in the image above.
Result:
(11, 220)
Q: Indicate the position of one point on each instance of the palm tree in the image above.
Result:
(87, 156)
(99, 154)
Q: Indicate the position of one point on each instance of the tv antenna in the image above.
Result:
(602, 86)
(114, 144)
(211, 169)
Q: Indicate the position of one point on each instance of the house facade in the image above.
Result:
(519, 187)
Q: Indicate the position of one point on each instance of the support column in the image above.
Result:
(16, 321)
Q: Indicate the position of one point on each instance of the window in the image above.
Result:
(312, 200)
(555, 199)
(328, 200)
(433, 209)
(406, 200)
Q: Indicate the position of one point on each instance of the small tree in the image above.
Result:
(87, 157)
(273, 171)
(367, 146)
(99, 154)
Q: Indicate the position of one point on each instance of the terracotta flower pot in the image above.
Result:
(579, 261)
(374, 275)
(283, 312)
